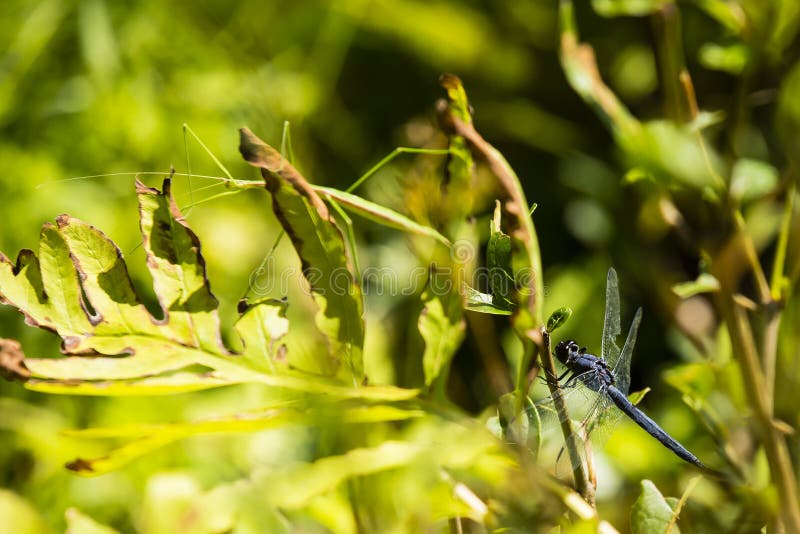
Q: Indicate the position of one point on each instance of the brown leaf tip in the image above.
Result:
(62, 220)
(12, 361)
(449, 81)
(249, 144)
(142, 189)
(79, 465)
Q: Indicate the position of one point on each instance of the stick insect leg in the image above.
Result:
(351, 237)
(288, 153)
(393, 154)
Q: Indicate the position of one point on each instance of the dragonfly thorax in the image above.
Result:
(591, 369)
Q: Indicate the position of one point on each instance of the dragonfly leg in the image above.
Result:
(575, 378)
(552, 380)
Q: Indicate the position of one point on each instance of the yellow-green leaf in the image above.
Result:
(320, 245)
(651, 512)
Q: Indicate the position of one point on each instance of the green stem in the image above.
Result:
(774, 310)
(778, 265)
(775, 446)
(518, 206)
(667, 27)
(752, 257)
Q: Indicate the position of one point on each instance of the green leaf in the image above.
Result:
(636, 8)
(732, 16)
(457, 96)
(460, 163)
(262, 324)
(636, 396)
(583, 75)
(558, 318)
(520, 422)
(297, 486)
(320, 244)
(653, 149)
(379, 214)
(80, 523)
(787, 114)
(178, 270)
(498, 264)
(651, 512)
(752, 179)
(732, 58)
(706, 119)
(78, 286)
(705, 283)
(19, 513)
(148, 438)
(482, 302)
(442, 327)
(167, 384)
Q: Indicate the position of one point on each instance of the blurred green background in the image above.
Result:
(95, 87)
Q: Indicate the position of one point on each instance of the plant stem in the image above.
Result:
(535, 337)
(783, 241)
(518, 207)
(571, 441)
(774, 312)
(774, 444)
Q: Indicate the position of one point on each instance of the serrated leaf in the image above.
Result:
(178, 270)
(651, 512)
(262, 324)
(380, 214)
(320, 245)
(79, 288)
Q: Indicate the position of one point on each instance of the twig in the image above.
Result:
(571, 441)
(774, 444)
(774, 312)
(685, 497)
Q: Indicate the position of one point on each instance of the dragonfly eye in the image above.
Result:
(564, 348)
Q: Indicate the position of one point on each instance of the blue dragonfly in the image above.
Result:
(606, 378)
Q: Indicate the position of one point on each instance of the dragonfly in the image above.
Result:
(608, 378)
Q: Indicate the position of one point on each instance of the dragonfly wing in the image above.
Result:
(611, 323)
(622, 370)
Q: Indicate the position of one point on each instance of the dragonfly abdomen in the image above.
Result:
(651, 427)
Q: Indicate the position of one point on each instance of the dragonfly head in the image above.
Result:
(564, 349)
